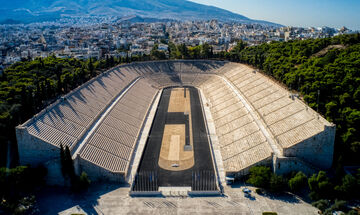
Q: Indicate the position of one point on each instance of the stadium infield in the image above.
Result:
(167, 141)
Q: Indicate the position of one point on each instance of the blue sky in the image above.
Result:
(317, 13)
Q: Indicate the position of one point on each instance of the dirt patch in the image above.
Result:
(172, 154)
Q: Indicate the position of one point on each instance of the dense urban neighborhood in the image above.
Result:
(81, 38)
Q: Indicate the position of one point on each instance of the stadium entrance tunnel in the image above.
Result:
(177, 152)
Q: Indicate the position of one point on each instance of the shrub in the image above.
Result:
(322, 204)
(269, 213)
(259, 191)
(320, 186)
(314, 196)
(16, 187)
(297, 182)
(277, 183)
(339, 205)
(349, 187)
(259, 176)
(82, 182)
(352, 212)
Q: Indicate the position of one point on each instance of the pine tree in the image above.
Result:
(111, 61)
(70, 171)
(91, 68)
(107, 62)
(62, 160)
(58, 72)
(127, 60)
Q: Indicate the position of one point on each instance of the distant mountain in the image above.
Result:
(41, 10)
(10, 22)
(135, 19)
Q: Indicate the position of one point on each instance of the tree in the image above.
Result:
(236, 52)
(156, 54)
(58, 71)
(339, 205)
(322, 204)
(84, 181)
(320, 186)
(349, 187)
(69, 162)
(91, 68)
(259, 176)
(184, 52)
(17, 186)
(195, 52)
(67, 165)
(277, 183)
(174, 52)
(352, 212)
(26, 87)
(206, 51)
(62, 160)
(240, 46)
(127, 59)
(80, 183)
(298, 181)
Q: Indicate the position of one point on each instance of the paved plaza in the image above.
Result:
(111, 199)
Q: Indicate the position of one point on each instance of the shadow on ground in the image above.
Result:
(54, 200)
(283, 196)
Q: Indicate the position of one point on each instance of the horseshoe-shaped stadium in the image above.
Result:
(177, 123)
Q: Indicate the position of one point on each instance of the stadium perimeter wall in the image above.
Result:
(33, 150)
(317, 150)
(239, 174)
(285, 165)
(97, 173)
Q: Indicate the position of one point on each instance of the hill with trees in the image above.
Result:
(27, 87)
(328, 82)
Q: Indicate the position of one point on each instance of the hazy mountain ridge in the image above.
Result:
(40, 10)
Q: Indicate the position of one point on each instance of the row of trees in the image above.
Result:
(78, 183)
(181, 51)
(323, 190)
(262, 177)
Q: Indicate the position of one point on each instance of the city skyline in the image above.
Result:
(305, 13)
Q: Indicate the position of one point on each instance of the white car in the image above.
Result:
(246, 190)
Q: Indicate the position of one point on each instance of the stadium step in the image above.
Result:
(174, 191)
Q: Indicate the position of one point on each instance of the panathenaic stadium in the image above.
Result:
(185, 123)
